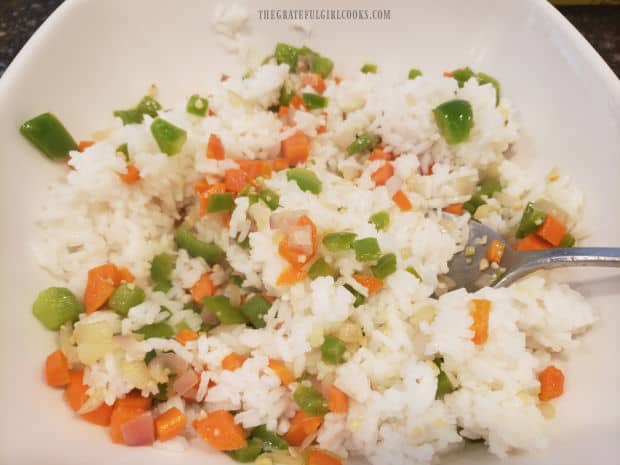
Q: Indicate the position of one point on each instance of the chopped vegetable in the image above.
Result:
(285, 97)
(338, 241)
(455, 209)
(385, 266)
(169, 424)
(254, 309)
(301, 427)
(121, 415)
(381, 175)
(300, 243)
(337, 401)
(296, 148)
(84, 144)
(551, 383)
(552, 230)
(102, 282)
(131, 174)
(124, 275)
(363, 142)
(379, 154)
(332, 350)
(489, 186)
(215, 148)
(123, 149)
(479, 309)
(160, 329)
(462, 75)
(381, 220)
(319, 457)
(186, 335)
(413, 271)
(369, 68)
(48, 134)
(249, 453)
(473, 203)
(161, 269)
(232, 361)
(147, 106)
(286, 376)
(290, 275)
(486, 79)
(169, 137)
(57, 369)
(401, 199)
(359, 298)
(220, 203)
(531, 220)
(211, 252)
(126, 296)
(77, 396)
(444, 386)
(310, 401)
(454, 119)
(314, 80)
(227, 313)
(288, 54)
(220, 431)
(202, 288)
(320, 268)
(270, 440)
(318, 63)
(568, 240)
(371, 283)
(532, 242)
(235, 180)
(56, 306)
(134, 400)
(197, 105)
(139, 431)
(366, 249)
(414, 73)
(314, 101)
(131, 116)
(306, 180)
(495, 251)
(271, 199)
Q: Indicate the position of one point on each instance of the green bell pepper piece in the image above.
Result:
(385, 266)
(169, 137)
(530, 221)
(211, 252)
(254, 309)
(369, 68)
(227, 313)
(338, 241)
(314, 101)
(160, 329)
(197, 105)
(454, 119)
(126, 296)
(223, 202)
(320, 268)
(307, 180)
(366, 249)
(363, 142)
(47, 133)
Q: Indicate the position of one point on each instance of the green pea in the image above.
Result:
(227, 313)
(310, 401)
(338, 241)
(254, 309)
(169, 137)
(56, 306)
(381, 220)
(220, 203)
(366, 249)
(454, 119)
(307, 180)
(249, 453)
(530, 221)
(320, 268)
(385, 266)
(160, 329)
(197, 105)
(48, 134)
(314, 101)
(332, 350)
(211, 252)
(270, 440)
(126, 296)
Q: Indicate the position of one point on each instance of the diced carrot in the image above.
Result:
(232, 361)
(210, 112)
(290, 275)
(495, 251)
(552, 230)
(170, 424)
(217, 188)
(323, 127)
(314, 80)
(286, 376)
(532, 242)
(235, 180)
(283, 111)
(301, 427)
(84, 144)
(57, 369)
(447, 74)
(279, 164)
(296, 256)
(186, 336)
(255, 168)
(379, 154)
(76, 396)
(320, 457)
(201, 186)
(369, 282)
(479, 310)
(202, 208)
(215, 149)
(402, 201)
(337, 80)
(296, 148)
(202, 288)
(121, 415)
(384, 173)
(134, 400)
(296, 102)
(125, 275)
(220, 431)
(337, 401)
(455, 208)
(551, 383)
(131, 176)
(102, 282)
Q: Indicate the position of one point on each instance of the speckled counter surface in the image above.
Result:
(20, 18)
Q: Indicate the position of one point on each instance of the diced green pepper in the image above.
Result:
(162, 392)
(314, 101)
(489, 186)
(123, 149)
(486, 79)
(444, 386)
(197, 105)
(530, 221)
(149, 106)
(211, 252)
(320, 268)
(254, 309)
(161, 269)
(160, 329)
(472, 204)
(462, 75)
(359, 297)
(271, 199)
(318, 64)
(237, 280)
(248, 453)
(332, 350)
(150, 355)
(220, 203)
(288, 54)
(568, 240)
(310, 400)
(193, 306)
(56, 306)
(454, 119)
(414, 73)
(307, 180)
(126, 296)
(286, 95)
(271, 441)
(414, 272)
(366, 249)
(182, 326)
(47, 133)
(169, 137)
(381, 220)
(131, 116)
(369, 68)
(227, 313)
(335, 242)
(363, 142)
(385, 266)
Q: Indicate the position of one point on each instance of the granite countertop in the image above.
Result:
(20, 18)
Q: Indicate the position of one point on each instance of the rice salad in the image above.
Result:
(261, 268)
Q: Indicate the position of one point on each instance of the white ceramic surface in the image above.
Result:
(94, 56)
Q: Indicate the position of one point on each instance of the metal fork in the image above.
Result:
(471, 270)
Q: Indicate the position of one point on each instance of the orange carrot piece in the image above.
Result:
(279, 164)
(215, 149)
(552, 230)
(369, 282)
(84, 144)
(384, 173)
(283, 111)
(76, 396)
(57, 369)
(202, 208)
(102, 282)
(255, 168)
(170, 424)
(448, 74)
(232, 361)
(121, 415)
(402, 201)
(379, 154)
(337, 80)
(125, 275)
(319, 457)
(220, 431)
(532, 242)
(290, 275)
(186, 336)
(201, 186)
(131, 176)
(286, 376)
(479, 310)
(455, 208)
(314, 80)
(294, 255)
(337, 401)
(495, 251)
(551, 383)
(134, 400)
(296, 148)
(296, 102)
(302, 427)
(235, 180)
(202, 288)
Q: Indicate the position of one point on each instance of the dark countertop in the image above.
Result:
(20, 18)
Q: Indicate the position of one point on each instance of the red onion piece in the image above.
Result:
(393, 185)
(300, 238)
(171, 361)
(185, 382)
(285, 220)
(140, 431)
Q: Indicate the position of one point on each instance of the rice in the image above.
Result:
(392, 339)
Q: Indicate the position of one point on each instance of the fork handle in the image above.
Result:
(556, 258)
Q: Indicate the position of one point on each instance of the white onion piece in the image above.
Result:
(393, 185)
(140, 431)
(94, 401)
(171, 361)
(285, 220)
(300, 239)
(185, 382)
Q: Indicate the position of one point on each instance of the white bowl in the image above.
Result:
(93, 56)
